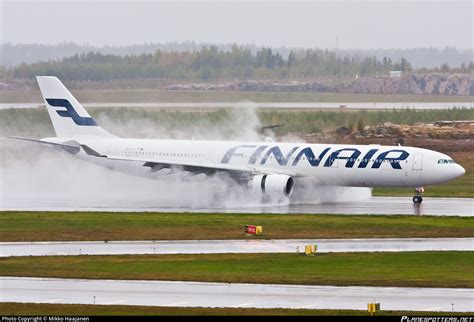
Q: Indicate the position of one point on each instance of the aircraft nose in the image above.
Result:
(459, 170)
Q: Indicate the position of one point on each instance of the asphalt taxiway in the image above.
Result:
(197, 294)
(234, 246)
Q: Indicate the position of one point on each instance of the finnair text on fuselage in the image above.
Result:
(262, 153)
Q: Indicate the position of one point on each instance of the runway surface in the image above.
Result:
(267, 105)
(235, 246)
(194, 294)
(373, 206)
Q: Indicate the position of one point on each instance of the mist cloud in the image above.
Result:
(34, 176)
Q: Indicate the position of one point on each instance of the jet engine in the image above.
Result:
(273, 184)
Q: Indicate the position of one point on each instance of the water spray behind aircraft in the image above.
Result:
(32, 173)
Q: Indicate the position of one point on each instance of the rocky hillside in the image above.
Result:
(438, 130)
(432, 84)
(412, 84)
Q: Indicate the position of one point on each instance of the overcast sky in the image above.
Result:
(325, 24)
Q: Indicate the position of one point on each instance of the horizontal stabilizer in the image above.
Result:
(70, 146)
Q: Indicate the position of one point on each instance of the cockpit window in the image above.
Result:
(445, 161)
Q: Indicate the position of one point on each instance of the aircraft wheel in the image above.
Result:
(417, 199)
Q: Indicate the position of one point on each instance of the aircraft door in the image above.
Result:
(417, 164)
(111, 150)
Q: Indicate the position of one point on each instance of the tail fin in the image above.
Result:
(68, 116)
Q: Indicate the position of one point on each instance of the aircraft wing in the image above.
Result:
(196, 166)
(70, 146)
(236, 171)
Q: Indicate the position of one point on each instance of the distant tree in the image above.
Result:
(444, 68)
(279, 62)
(291, 59)
(470, 67)
(210, 62)
(405, 65)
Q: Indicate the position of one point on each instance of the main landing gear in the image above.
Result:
(417, 198)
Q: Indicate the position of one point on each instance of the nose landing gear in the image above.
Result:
(417, 198)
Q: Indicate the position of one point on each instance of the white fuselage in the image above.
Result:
(268, 167)
(323, 164)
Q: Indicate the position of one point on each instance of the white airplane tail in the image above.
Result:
(68, 116)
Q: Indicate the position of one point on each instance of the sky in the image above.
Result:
(325, 24)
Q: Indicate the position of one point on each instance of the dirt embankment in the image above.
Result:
(443, 136)
(409, 84)
(444, 130)
(431, 84)
(455, 138)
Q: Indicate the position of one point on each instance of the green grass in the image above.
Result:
(63, 226)
(128, 122)
(155, 96)
(31, 309)
(414, 269)
(306, 122)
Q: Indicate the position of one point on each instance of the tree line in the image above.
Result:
(212, 63)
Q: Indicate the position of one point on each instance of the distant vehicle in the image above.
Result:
(267, 168)
(396, 73)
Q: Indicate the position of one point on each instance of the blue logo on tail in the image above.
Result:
(70, 112)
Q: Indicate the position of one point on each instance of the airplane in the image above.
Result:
(268, 168)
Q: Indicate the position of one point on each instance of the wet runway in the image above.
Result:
(373, 206)
(195, 294)
(235, 246)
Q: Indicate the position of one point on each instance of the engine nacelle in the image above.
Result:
(273, 184)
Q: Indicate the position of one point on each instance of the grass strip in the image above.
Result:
(86, 226)
(404, 269)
